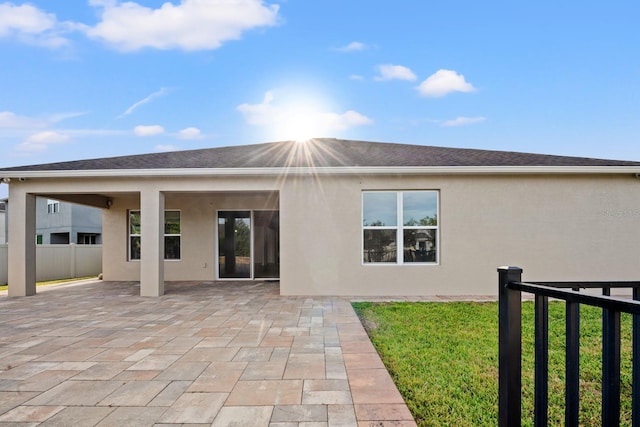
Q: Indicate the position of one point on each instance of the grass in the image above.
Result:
(54, 282)
(443, 358)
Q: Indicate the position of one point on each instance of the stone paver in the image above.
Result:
(204, 354)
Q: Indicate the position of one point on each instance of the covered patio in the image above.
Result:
(205, 353)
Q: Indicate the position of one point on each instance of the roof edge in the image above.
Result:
(351, 170)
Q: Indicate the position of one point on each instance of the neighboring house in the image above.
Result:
(336, 217)
(60, 223)
(3, 222)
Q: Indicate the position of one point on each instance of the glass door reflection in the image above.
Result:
(266, 244)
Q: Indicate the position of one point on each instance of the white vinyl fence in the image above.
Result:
(55, 262)
(3, 264)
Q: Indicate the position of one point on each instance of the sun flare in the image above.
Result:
(300, 125)
(299, 114)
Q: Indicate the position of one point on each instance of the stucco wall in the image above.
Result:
(554, 227)
(563, 227)
(198, 219)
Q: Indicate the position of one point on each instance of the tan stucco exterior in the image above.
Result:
(198, 234)
(554, 226)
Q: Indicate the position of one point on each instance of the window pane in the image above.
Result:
(134, 251)
(234, 244)
(380, 246)
(419, 245)
(172, 247)
(134, 222)
(419, 208)
(379, 209)
(172, 222)
(243, 237)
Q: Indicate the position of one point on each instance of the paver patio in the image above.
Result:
(220, 354)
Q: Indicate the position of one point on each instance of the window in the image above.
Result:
(53, 206)
(38, 239)
(87, 238)
(400, 227)
(172, 235)
(134, 235)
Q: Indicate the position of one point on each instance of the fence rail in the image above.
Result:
(510, 347)
(55, 262)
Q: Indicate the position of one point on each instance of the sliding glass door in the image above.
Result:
(266, 244)
(248, 244)
(234, 244)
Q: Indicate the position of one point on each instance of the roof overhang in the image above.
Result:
(353, 170)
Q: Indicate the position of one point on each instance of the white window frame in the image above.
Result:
(400, 227)
(87, 237)
(130, 235)
(53, 206)
(179, 235)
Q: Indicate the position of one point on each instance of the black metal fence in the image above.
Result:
(510, 347)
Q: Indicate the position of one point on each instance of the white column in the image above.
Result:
(152, 242)
(22, 243)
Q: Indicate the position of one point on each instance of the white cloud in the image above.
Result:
(42, 140)
(299, 121)
(59, 117)
(443, 82)
(24, 19)
(165, 148)
(462, 121)
(11, 120)
(148, 130)
(394, 72)
(190, 133)
(190, 25)
(352, 47)
(356, 77)
(260, 114)
(33, 26)
(146, 100)
(347, 120)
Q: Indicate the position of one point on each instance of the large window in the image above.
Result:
(134, 235)
(400, 227)
(172, 235)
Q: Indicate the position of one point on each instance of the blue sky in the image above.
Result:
(94, 78)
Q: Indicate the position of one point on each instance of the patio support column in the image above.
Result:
(22, 243)
(152, 242)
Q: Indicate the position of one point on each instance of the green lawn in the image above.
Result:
(444, 360)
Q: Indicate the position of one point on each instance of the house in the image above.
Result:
(61, 223)
(339, 217)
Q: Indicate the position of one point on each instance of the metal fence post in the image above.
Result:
(635, 393)
(510, 348)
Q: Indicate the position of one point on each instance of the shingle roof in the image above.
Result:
(321, 153)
